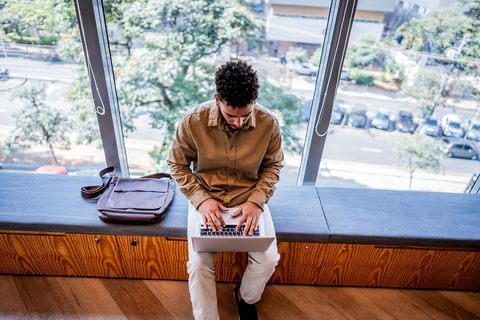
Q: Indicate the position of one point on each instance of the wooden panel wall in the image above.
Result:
(302, 263)
(9, 260)
(99, 254)
(153, 257)
(67, 254)
(369, 265)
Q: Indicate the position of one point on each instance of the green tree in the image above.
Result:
(315, 58)
(170, 68)
(37, 123)
(444, 28)
(451, 32)
(419, 152)
(296, 55)
(287, 108)
(363, 54)
(431, 87)
(34, 18)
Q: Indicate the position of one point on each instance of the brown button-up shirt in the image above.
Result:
(230, 166)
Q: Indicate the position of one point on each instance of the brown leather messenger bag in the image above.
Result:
(132, 200)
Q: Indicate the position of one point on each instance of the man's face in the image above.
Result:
(236, 118)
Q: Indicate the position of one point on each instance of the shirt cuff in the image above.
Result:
(258, 198)
(198, 197)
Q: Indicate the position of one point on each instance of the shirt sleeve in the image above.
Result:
(181, 155)
(270, 170)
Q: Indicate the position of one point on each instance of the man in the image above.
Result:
(234, 145)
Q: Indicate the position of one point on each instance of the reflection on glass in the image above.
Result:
(406, 115)
(165, 55)
(42, 121)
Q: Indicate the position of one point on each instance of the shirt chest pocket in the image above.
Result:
(215, 154)
(248, 161)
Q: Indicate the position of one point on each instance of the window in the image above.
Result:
(43, 101)
(405, 93)
(165, 57)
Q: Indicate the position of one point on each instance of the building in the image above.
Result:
(423, 7)
(303, 23)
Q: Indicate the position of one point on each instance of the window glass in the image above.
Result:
(415, 77)
(165, 55)
(45, 96)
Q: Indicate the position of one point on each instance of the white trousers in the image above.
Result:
(201, 272)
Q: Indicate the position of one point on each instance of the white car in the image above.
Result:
(381, 120)
(304, 69)
(473, 132)
(452, 127)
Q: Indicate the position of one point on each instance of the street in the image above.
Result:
(364, 146)
(374, 146)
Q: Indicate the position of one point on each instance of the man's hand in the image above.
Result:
(210, 210)
(250, 214)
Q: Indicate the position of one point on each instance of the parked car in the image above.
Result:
(4, 74)
(52, 57)
(431, 128)
(338, 114)
(451, 126)
(344, 75)
(303, 68)
(461, 149)
(358, 117)
(52, 169)
(381, 120)
(404, 122)
(473, 132)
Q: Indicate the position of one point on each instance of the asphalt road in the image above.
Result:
(374, 146)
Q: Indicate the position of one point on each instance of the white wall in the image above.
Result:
(373, 5)
(312, 31)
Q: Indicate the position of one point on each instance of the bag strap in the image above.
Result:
(94, 191)
(157, 176)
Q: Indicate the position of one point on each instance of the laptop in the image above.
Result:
(228, 240)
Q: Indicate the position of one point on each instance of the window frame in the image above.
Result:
(93, 32)
(340, 20)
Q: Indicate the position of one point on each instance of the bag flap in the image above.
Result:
(136, 200)
(145, 185)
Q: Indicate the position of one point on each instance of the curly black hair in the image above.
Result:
(237, 83)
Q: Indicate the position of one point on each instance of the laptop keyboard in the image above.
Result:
(227, 231)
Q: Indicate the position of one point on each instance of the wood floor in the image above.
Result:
(41, 297)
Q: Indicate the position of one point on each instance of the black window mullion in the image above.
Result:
(93, 32)
(340, 20)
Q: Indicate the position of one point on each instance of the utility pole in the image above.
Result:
(452, 55)
(473, 121)
(3, 44)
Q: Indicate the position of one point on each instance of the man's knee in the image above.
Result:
(266, 261)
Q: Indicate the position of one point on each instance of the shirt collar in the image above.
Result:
(215, 116)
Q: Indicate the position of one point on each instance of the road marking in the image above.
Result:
(372, 150)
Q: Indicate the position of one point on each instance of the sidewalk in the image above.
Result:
(350, 90)
(335, 173)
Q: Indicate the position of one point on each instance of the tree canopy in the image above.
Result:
(169, 63)
(444, 29)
